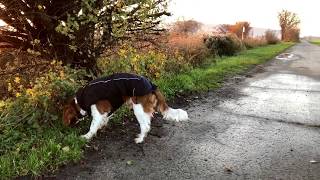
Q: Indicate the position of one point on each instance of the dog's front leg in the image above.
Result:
(144, 121)
(98, 120)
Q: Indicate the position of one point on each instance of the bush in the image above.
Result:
(129, 60)
(292, 35)
(40, 105)
(179, 53)
(56, 80)
(224, 45)
(175, 52)
(191, 47)
(151, 63)
(254, 42)
(271, 37)
(176, 62)
(31, 132)
(17, 65)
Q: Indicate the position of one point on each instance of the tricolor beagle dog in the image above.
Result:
(102, 96)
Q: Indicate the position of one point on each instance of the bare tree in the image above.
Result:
(289, 23)
(186, 27)
(223, 28)
(236, 29)
(239, 27)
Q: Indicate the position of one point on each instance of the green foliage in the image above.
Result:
(34, 152)
(128, 59)
(150, 62)
(77, 32)
(32, 138)
(224, 45)
(39, 103)
(317, 42)
(212, 76)
(107, 23)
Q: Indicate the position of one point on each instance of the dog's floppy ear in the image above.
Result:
(69, 113)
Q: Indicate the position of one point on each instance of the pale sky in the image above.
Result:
(260, 13)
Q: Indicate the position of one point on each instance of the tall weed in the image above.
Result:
(254, 42)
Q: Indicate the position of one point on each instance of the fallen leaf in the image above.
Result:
(129, 162)
(66, 149)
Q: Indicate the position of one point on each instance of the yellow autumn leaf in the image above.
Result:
(10, 87)
(17, 80)
(2, 104)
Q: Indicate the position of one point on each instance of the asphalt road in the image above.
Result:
(262, 125)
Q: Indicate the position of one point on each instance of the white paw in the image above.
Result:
(176, 115)
(138, 139)
(182, 115)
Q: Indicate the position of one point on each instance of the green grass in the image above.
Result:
(35, 152)
(32, 150)
(317, 42)
(211, 76)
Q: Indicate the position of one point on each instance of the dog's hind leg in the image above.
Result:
(98, 120)
(144, 120)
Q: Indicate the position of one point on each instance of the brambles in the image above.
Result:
(224, 45)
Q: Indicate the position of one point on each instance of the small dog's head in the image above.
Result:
(70, 113)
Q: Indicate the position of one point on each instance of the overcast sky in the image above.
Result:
(260, 13)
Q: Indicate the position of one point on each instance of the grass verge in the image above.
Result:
(34, 151)
(316, 42)
(211, 76)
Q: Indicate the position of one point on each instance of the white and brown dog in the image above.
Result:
(101, 97)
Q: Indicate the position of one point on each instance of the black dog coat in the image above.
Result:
(113, 88)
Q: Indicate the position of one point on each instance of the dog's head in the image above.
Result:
(70, 113)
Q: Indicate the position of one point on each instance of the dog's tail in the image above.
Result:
(168, 112)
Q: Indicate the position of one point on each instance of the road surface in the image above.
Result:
(262, 125)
